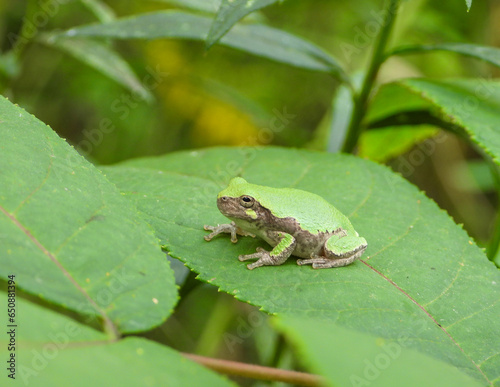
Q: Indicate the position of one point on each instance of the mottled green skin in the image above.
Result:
(292, 221)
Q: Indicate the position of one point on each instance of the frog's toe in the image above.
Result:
(313, 261)
(208, 227)
(246, 257)
(252, 266)
(321, 265)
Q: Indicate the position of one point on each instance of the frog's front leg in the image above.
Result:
(340, 250)
(230, 228)
(277, 256)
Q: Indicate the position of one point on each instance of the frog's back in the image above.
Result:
(313, 212)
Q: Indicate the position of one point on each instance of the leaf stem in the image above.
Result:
(378, 57)
(257, 372)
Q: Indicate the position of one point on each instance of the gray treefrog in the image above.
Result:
(293, 221)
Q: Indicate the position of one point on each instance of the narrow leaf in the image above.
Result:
(330, 133)
(342, 108)
(68, 235)
(100, 57)
(421, 276)
(101, 10)
(485, 53)
(209, 6)
(230, 12)
(259, 40)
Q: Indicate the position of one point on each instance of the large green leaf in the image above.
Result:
(421, 275)
(256, 39)
(55, 350)
(102, 58)
(70, 237)
(470, 105)
(349, 358)
(488, 54)
(230, 12)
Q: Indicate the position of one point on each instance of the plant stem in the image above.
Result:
(494, 244)
(25, 36)
(378, 57)
(278, 350)
(257, 372)
(221, 316)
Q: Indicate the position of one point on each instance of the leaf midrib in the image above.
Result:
(113, 330)
(428, 315)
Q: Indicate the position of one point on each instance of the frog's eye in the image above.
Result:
(246, 201)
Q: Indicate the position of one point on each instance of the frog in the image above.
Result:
(293, 222)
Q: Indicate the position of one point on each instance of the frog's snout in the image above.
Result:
(222, 204)
(222, 201)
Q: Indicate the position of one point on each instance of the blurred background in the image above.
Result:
(225, 97)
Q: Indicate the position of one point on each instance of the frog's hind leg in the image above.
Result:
(325, 263)
(340, 250)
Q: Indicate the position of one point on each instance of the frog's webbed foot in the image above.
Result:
(230, 228)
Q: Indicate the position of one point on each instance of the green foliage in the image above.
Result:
(230, 13)
(259, 40)
(84, 243)
(470, 107)
(209, 6)
(70, 237)
(383, 295)
(386, 143)
(62, 349)
(102, 58)
(351, 358)
(488, 54)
